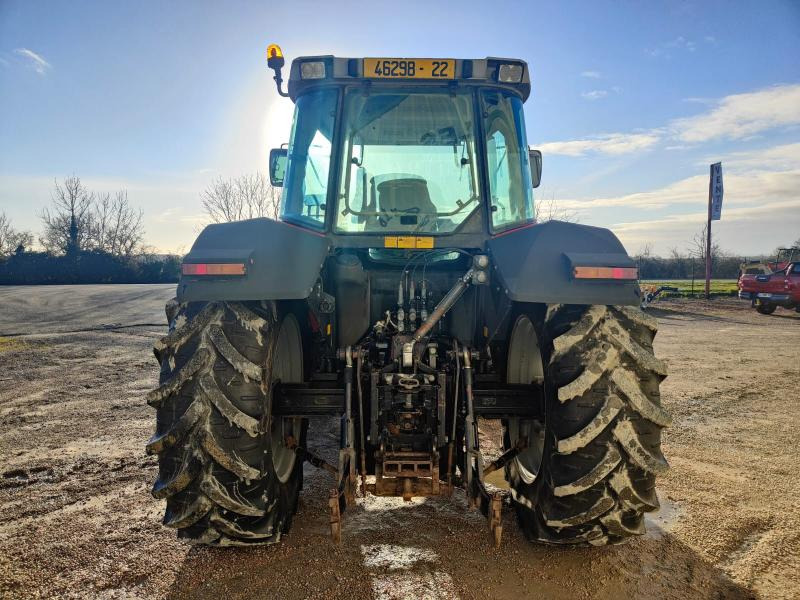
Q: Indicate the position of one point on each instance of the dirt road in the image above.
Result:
(77, 519)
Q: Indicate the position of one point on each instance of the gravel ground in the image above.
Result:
(78, 521)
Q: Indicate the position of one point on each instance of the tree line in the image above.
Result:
(691, 262)
(90, 237)
(86, 237)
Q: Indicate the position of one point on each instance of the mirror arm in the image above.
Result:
(279, 82)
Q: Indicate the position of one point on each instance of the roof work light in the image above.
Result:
(312, 70)
(510, 73)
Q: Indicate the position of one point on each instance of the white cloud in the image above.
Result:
(783, 157)
(34, 61)
(746, 231)
(610, 143)
(751, 189)
(742, 115)
(591, 74)
(732, 117)
(761, 207)
(595, 94)
(743, 213)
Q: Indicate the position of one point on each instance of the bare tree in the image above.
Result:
(80, 220)
(243, 197)
(116, 227)
(697, 248)
(682, 264)
(68, 222)
(645, 251)
(11, 239)
(549, 210)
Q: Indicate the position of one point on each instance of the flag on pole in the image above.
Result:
(716, 191)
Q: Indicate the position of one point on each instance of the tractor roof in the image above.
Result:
(310, 72)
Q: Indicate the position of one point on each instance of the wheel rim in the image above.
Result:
(525, 366)
(287, 366)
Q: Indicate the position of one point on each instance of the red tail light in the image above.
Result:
(630, 273)
(213, 269)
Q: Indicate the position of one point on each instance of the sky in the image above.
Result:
(630, 103)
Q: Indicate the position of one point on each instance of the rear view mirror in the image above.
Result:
(536, 167)
(277, 166)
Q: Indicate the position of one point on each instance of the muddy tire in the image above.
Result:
(593, 476)
(766, 309)
(223, 469)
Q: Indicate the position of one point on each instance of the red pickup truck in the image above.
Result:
(767, 292)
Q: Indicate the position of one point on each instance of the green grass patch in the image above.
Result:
(10, 344)
(719, 287)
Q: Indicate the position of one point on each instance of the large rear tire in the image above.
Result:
(590, 477)
(224, 466)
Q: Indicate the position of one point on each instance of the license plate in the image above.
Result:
(410, 68)
(762, 295)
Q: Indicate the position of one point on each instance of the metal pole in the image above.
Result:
(708, 235)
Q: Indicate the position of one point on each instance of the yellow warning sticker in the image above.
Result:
(408, 242)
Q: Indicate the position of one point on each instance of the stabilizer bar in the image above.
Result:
(494, 401)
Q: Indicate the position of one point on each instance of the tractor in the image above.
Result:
(408, 293)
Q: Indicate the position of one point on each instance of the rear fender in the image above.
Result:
(535, 264)
(282, 261)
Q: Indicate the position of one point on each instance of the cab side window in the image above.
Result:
(508, 166)
(305, 187)
(503, 210)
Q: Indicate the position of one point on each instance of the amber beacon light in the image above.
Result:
(275, 62)
(274, 56)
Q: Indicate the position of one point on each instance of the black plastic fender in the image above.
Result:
(535, 264)
(282, 261)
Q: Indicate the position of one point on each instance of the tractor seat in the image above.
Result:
(406, 196)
